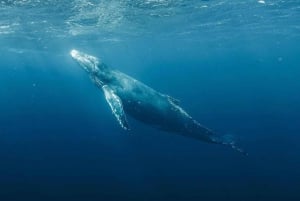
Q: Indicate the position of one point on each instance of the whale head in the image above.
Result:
(98, 71)
(89, 63)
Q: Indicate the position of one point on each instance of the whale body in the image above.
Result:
(128, 96)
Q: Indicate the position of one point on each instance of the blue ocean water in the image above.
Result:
(234, 65)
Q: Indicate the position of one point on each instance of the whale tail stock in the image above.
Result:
(197, 131)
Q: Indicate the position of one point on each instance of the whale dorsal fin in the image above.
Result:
(116, 106)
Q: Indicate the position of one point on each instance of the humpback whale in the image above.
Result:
(128, 96)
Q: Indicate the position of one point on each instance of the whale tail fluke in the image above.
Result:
(228, 140)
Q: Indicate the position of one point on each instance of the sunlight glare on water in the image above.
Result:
(117, 20)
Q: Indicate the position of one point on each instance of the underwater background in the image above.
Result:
(234, 65)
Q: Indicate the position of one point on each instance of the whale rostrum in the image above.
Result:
(128, 96)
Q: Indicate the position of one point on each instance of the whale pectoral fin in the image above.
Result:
(116, 106)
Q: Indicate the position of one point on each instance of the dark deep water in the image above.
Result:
(234, 65)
